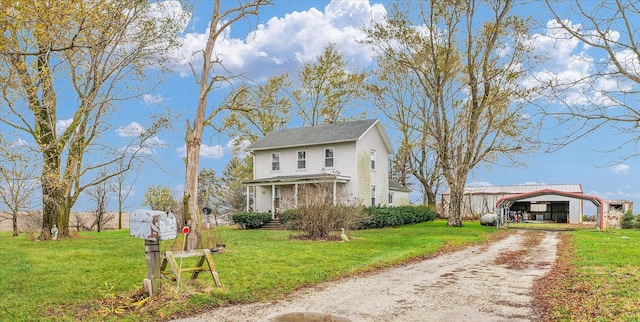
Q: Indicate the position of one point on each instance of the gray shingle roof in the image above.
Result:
(395, 185)
(323, 134)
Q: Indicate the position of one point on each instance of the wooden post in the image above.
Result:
(152, 252)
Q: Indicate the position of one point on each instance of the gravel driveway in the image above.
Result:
(467, 285)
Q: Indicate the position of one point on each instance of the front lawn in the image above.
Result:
(93, 276)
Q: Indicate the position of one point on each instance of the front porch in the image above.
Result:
(282, 192)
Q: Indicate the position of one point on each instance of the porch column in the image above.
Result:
(334, 192)
(247, 201)
(273, 203)
(295, 195)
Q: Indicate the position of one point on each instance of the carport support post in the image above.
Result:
(153, 284)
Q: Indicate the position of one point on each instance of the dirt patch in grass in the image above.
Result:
(521, 257)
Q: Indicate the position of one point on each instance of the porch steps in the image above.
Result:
(272, 224)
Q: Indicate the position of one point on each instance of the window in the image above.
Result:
(373, 159)
(275, 161)
(391, 198)
(328, 158)
(302, 159)
(373, 195)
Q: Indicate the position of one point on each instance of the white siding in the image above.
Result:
(351, 160)
(367, 176)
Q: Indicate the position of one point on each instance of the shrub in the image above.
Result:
(628, 220)
(288, 217)
(251, 220)
(316, 214)
(379, 217)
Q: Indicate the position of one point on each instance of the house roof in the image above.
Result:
(518, 189)
(321, 134)
(396, 186)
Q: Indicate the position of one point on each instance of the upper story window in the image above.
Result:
(275, 161)
(328, 157)
(302, 159)
(373, 159)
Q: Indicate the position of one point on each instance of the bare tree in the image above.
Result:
(607, 93)
(208, 76)
(123, 185)
(99, 195)
(89, 56)
(18, 180)
(465, 59)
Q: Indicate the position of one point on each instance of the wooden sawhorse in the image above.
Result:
(176, 271)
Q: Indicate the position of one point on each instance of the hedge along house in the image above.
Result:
(351, 157)
(564, 206)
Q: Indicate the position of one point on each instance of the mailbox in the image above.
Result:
(152, 225)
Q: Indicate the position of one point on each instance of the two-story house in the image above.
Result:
(353, 157)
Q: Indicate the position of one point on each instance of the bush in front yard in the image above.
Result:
(379, 217)
(251, 220)
(287, 217)
(317, 216)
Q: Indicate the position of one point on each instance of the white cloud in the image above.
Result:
(152, 99)
(479, 184)
(237, 147)
(621, 169)
(62, 125)
(206, 151)
(19, 143)
(131, 130)
(148, 147)
(531, 183)
(295, 38)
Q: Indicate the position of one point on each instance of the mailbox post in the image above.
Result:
(152, 226)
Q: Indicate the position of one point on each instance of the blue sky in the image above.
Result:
(294, 31)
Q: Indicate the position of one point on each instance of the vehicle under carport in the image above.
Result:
(503, 205)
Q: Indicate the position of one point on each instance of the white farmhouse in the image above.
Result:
(353, 157)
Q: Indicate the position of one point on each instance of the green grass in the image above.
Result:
(76, 278)
(609, 262)
(603, 279)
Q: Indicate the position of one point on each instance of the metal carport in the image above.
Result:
(506, 202)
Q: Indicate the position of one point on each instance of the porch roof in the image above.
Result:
(304, 178)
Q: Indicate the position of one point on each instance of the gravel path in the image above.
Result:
(466, 285)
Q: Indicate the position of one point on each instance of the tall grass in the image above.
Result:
(73, 278)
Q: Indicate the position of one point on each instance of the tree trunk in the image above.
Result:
(431, 198)
(50, 201)
(14, 220)
(190, 202)
(455, 207)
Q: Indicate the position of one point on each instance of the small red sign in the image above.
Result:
(185, 230)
